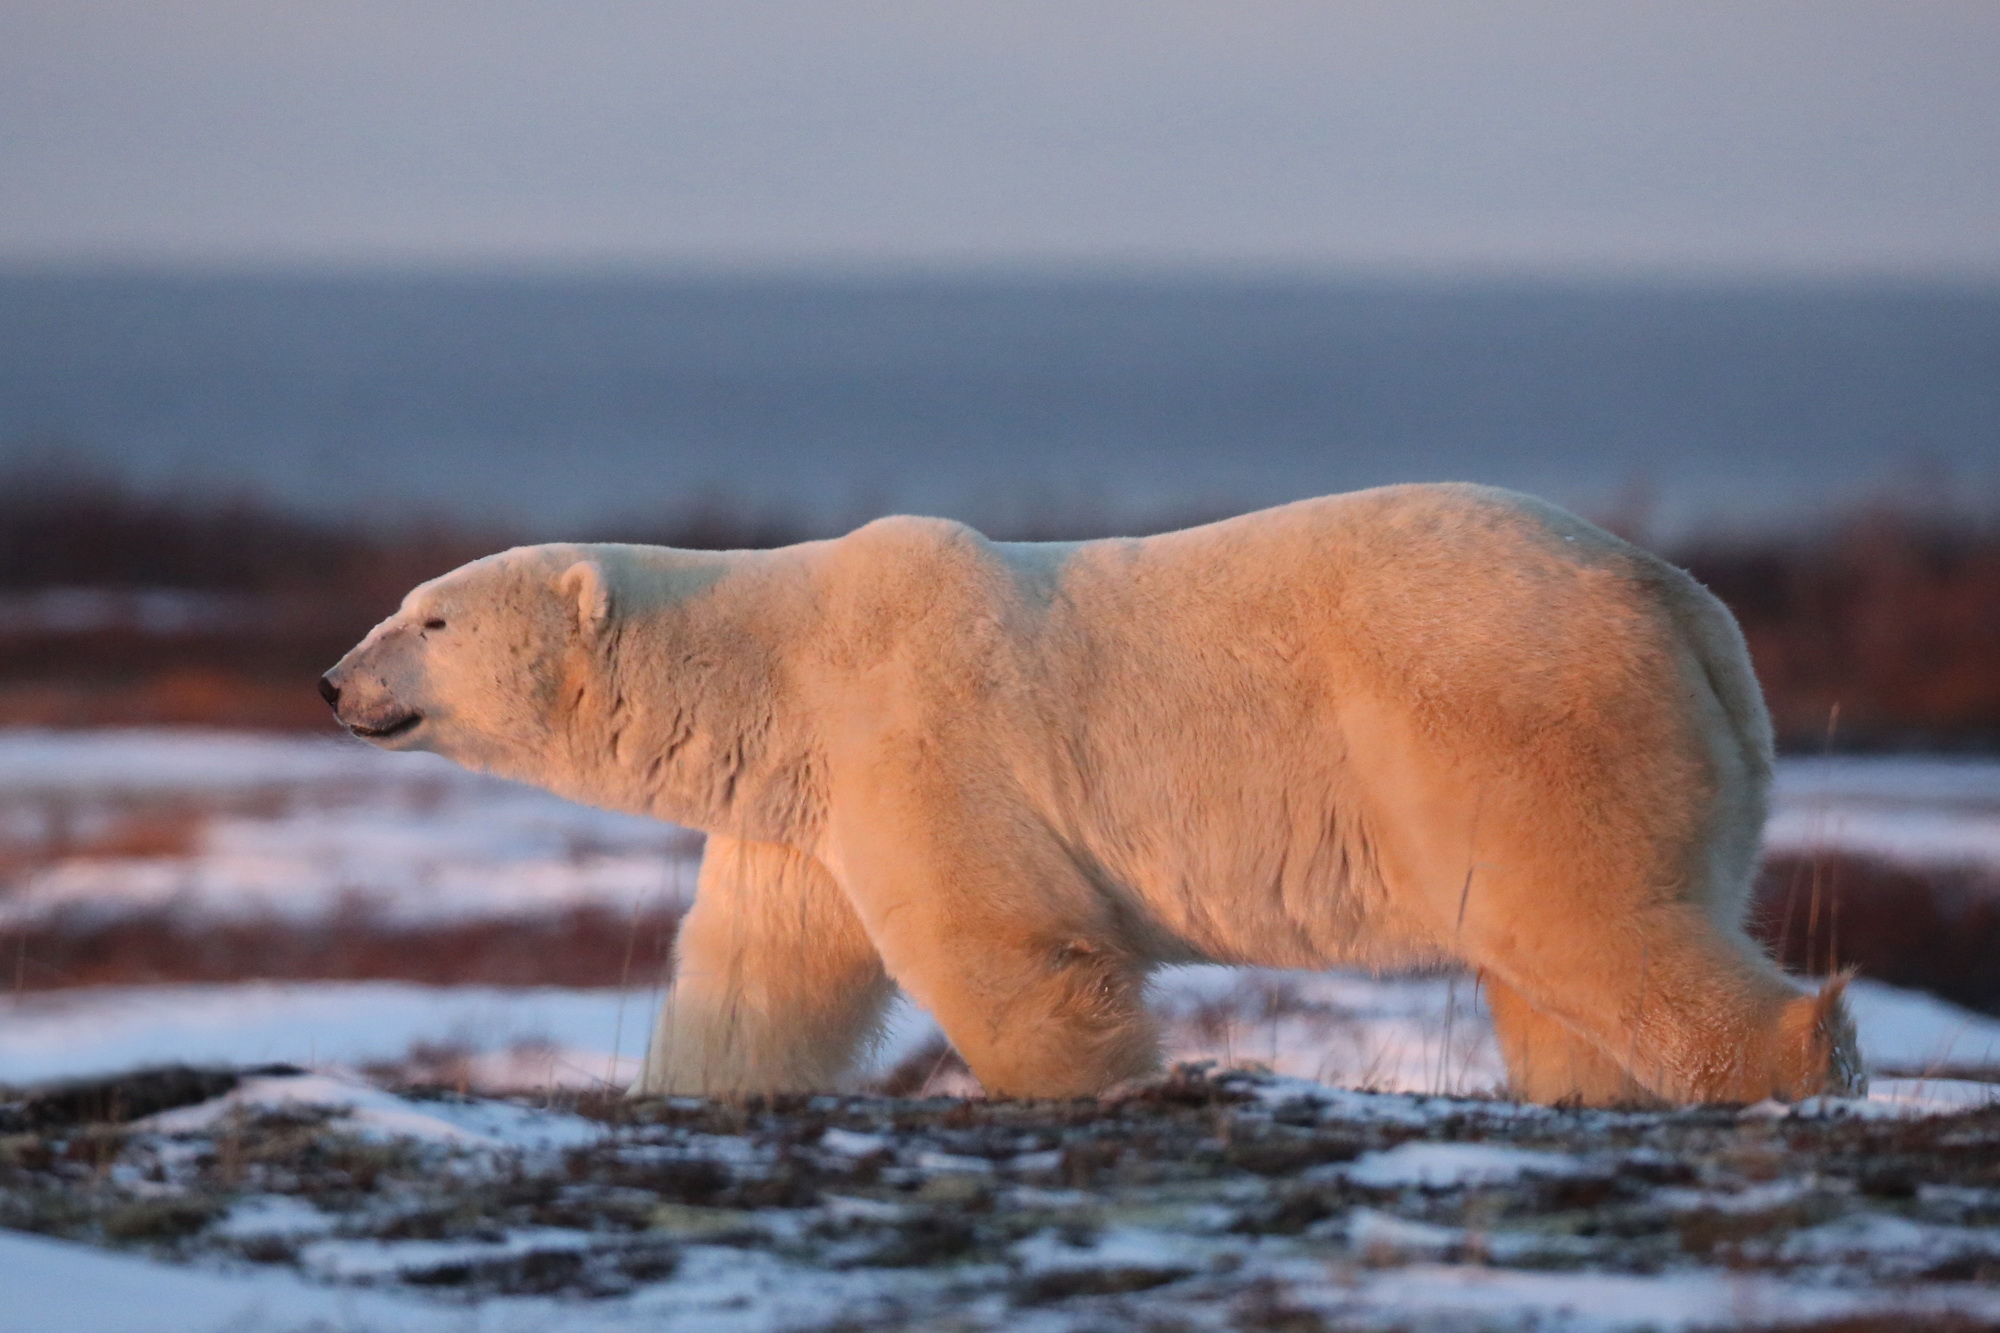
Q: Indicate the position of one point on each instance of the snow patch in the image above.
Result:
(52, 1284)
(368, 1112)
(1456, 1165)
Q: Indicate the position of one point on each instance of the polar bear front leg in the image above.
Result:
(776, 987)
(987, 922)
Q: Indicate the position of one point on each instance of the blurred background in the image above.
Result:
(301, 305)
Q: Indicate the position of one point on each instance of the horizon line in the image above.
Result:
(1049, 269)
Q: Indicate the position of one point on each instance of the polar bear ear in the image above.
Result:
(587, 588)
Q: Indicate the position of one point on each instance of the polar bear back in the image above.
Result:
(1286, 711)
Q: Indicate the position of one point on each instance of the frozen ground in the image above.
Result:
(284, 1201)
(222, 826)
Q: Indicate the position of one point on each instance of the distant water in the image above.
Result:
(569, 401)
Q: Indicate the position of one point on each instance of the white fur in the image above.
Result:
(1395, 727)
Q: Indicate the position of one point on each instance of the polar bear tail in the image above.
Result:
(1716, 640)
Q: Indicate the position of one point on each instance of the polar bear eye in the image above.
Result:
(433, 624)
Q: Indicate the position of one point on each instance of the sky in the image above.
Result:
(1829, 137)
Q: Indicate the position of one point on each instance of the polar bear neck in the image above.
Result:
(684, 707)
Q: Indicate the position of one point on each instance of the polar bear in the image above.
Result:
(1404, 726)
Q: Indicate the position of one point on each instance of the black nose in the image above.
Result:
(329, 691)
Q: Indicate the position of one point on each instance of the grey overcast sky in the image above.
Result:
(1750, 136)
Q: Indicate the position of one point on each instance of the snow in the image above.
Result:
(1126, 1247)
(842, 1208)
(52, 1285)
(364, 1111)
(304, 830)
(1617, 1303)
(1875, 1237)
(566, 1034)
(78, 1289)
(1382, 1236)
(1922, 1096)
(951, 1163)
(725, 1290)
(850, 1144)
(274, 1215)
(349, 1260)
(1432, 1165)
(1430, 1036)
(370, 1113)
(1922, 810)
(1339, 1034)
(1908, 1030)
(1385, 1034)
(142, 759)
(55, 1285)
(1969, 782)
(392, 874)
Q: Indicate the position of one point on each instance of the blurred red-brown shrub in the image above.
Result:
(1929, 927)
(1891, 617)
(584, 946)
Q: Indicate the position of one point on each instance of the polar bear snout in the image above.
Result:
(377, 719)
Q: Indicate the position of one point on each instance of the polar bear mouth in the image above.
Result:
(396, 728)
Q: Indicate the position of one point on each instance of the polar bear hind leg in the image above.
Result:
(1598, 868)
(1617, 971)
(776, 987)
(1606, 900)
(1549, 1062)
(1688, 1009)
(1611, 920)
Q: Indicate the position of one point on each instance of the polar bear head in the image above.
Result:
(480, 664)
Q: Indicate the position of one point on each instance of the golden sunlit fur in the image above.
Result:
(1402, 726)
